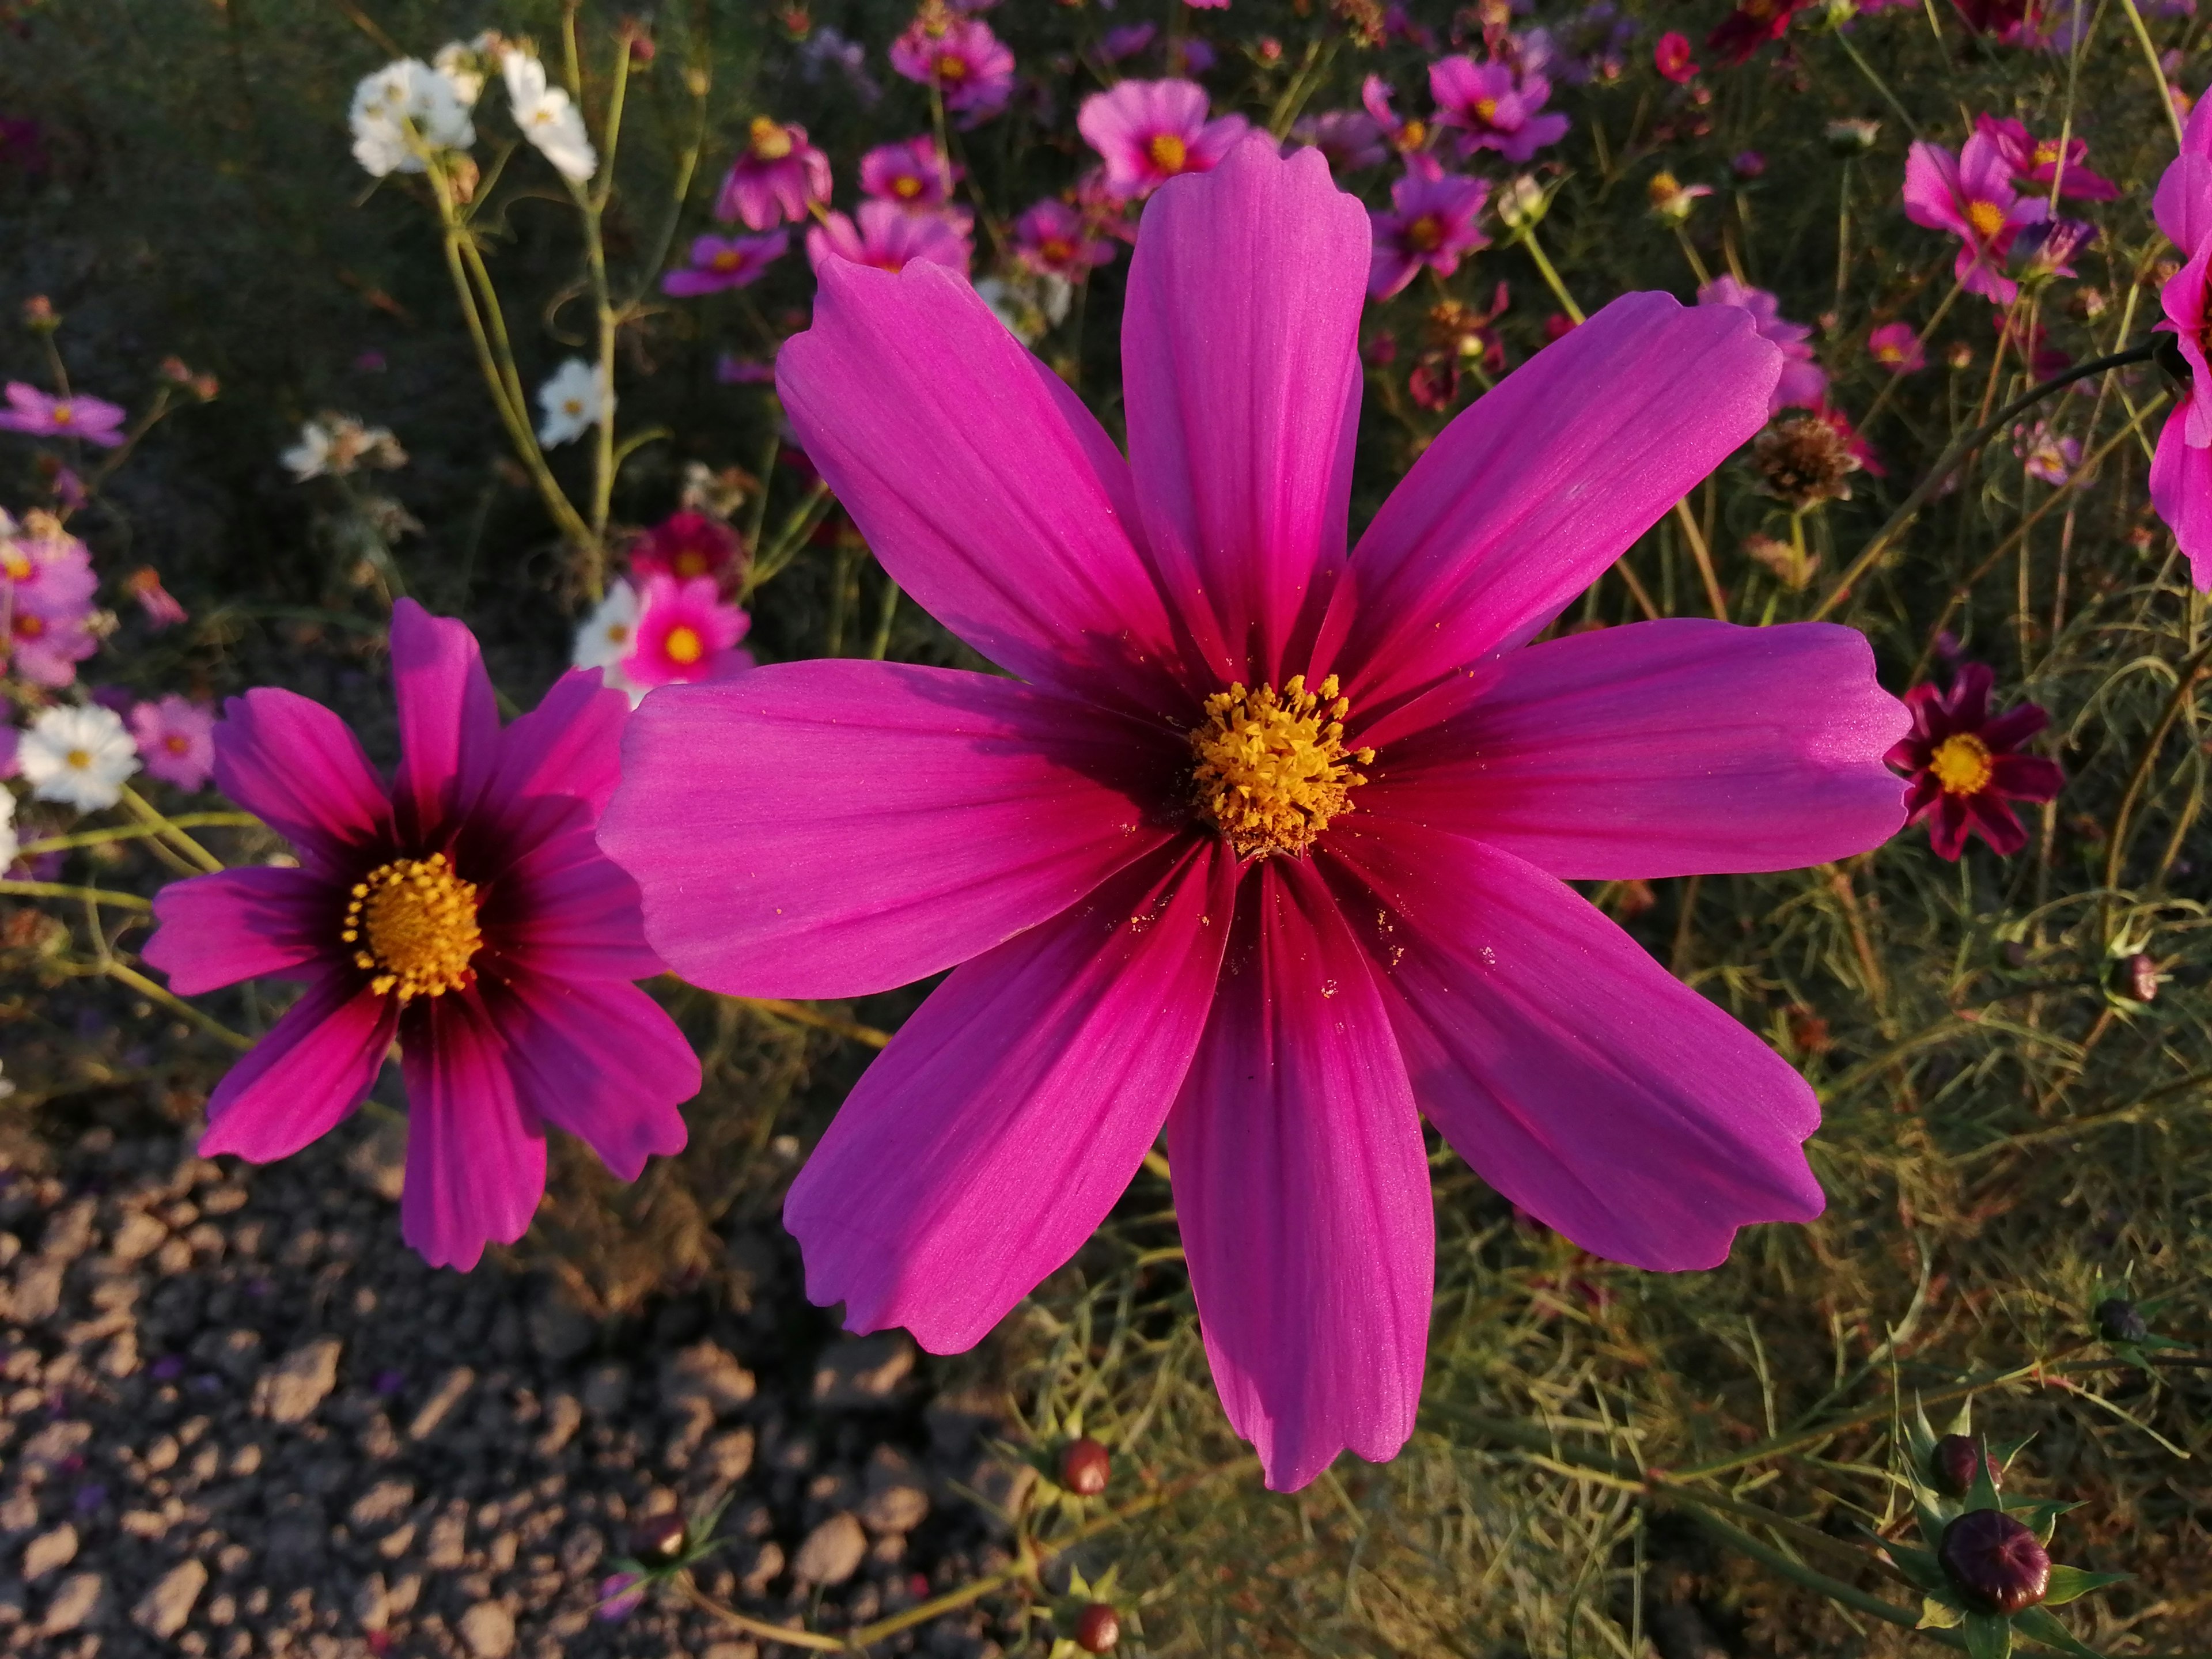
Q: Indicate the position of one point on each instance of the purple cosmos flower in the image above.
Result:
(914, 174)
(959, 56)
(1348, 139)
(1125, 42)
(720, 262)
(1970, 196)
(2181, 466)
(1150, 131)
(1896, 347)
(462, 909)
(777, 176)
(176, 740)
(1053, 240)
(1267, 844)
(2048, 249)
(1492, 109)
(1803, 382)
(890, 238)
(2047, 457)
(2038, 161)
(1594, 45)
(93, 419)
(1432, 223)
(1966, 767)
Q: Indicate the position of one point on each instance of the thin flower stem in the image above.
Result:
(1878, 83)
(57, 890)
(1637, 590)
(1813, 1579)
(2157, 71)
(1551, 277)
(1704, 555)
(799, 1013)
(1690, 254)
(1949, 461)
(1920, 344)
(139, 832)
(2185, 682)
(168, 999)
(159, 825)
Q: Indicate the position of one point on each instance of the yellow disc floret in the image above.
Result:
(1961, 764)
(1273, 769)
(413, 925)
(1169, 152)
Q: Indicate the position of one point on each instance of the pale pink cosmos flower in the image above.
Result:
(1494, 109)
(777, 176)
(176, 740)
(2181, 465)
(1348, 139)
(47, 588)
(1284, 981)
(914, 174)
(1896, 347)
(1432, 223)
(2045, 455)
(1803, 382)
(1970, 195)
(890, 238)
(1150, 131)
(684, 633)
(161, 606)
(93, 419)
(721, 263)
(1053, 240)
(970, 67)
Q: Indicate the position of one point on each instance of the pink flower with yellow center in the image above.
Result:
(686, 633)
(721, 263)
(2181, 466)
(958, 57)
(1966, 767)
(777, 176)
(2045, 161)
(176, 740)
(1896, 347)
(93, 419)
(688, 545)
(1053, 240)
(890, 238)
(1265, 843)
(1803, 382)
(1432, 223)
(1970, 195)
(915, 174)
(1494, 109)
(1150, 131)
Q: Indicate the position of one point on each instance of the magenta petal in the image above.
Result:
(242, 924)
(2183, 205)
(1530, 494)
(1662, 749)
(603, 1061)
(1012, 1109)
(934, 427)
(299, 1081)
(568, 749)
(448, 719)
(1302, 1186)
(1242, 377)
(296, 767)
(566, 909)
(2181, 491)
(1580, 1078)
(476, 1168)
(832, 827)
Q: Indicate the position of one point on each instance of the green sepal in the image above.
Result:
(2039, 1516)
(2070, 1584)
(1983, 1494)
(2004, 1451)
(1963, 1421)
(1933, 1517)
(2040, 1625)
(1919, 1565)
(1940, 1612)
(1988, 1637)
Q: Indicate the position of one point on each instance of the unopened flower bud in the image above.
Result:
(172, 370)
(2136, 978)
(1270, 50)
(1671, 200)
(1852, 138)
(1994, 1562)
(1747, 165)
(39, 315)
(2119, 1320)
(206, 387)
(1954, 1462)
(658, 1539)
(1960, 356)
(1097, 1628)
(1522, 204)
(465, 174)
(1085, 1467)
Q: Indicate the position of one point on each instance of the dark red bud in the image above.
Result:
(1952, 1467)
(2119, 1320)
(1084, 1468)
(1098, 1627)
(1993, 1561)
(658, 1539)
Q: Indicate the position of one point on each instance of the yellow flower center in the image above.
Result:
(906, 189)
(29, 625)
(1426, 234)
(1961, 764)
(689, 562)
(770, 142)
(14, 563)
(78, 759)
(684, 646)
(2046, 152)
(951, 68)
(175, 745)
(1168, 153)
(1485, 108)
(1273, 769)
(1890, 354)
(1056, 250)
(1413, 135)
(618, 633)
(414, 923)
(1986, 218)
(728, 260)
(63, 414)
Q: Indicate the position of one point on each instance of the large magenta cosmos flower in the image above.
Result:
(2181, 466)
(463, 910)
(1265, 844)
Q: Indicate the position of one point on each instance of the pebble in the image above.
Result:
(49, 1551)
(833, 1551)
(74, 1604)
(164, 1609)
(861, 1371)
(488, 1629)
(292, 1390)
(708, 1373)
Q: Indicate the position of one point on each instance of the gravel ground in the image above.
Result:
(240, 1419)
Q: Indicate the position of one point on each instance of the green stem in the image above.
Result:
(168, 999)
(1551, 277)
(161, 826)
(2157, 71)
(62, 890)
(138, 832)
(1880, 85)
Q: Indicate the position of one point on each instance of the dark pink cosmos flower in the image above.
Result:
(961, 58)
(1966, 766)
(1348, 139)
(176, 740)
(915, 174)
(1053, 240)
(2181, 466)
(1896, 347)
(1432, 223)
(463, 909)
(1267, 844)
(93, 419)
(1970, 195)
(1494, 109)
(1671, 58)
(1150, 131)
(1751, 26)
(1803, 382)
(2042, 161)
(688, 545)
(721, 263)
(777, 176)
(686, 633)
(890, 238)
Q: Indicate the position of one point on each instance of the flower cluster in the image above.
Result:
(673, 619)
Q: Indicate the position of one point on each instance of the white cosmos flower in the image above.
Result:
(610, 634)
(462, 63)
(8, 842)
(548, 117)
(79, 755)
(573, 401)
(406, 94)
(310, 458)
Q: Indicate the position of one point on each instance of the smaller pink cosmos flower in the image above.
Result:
(1966, 766)
(45, 649)
(93, 419)
(1405, 134)
(2047, 457)
(1751, 26)
(1150, 131)
(46, 587)
(1671, 58)
(1803, 382)
(720, 262)
(2042, 160)
(1970, 195)
(176, 741)
(891, 239)
(1431, 224)
(1348, 139)
(1053, 240)
(916, 175)
(777, 176)
(686, 633)
(1896, 347)
(961, 58)
(160, 605)
(1493, 109)
(2181, 466)
(687, 545)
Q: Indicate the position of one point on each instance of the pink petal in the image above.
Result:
(448, 719)
(1301, 1185)
(299, 1081)
(565, 752)
(1531, 493)
(829, 829)
(296, 767)
(242, 924)
(1662, 749)
(566, 909)
(2181, 491)
(1012, 1109)
(970, 482)
(1579, 1078)
(604, 1061)
(1242, 377)
(476, 1169)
